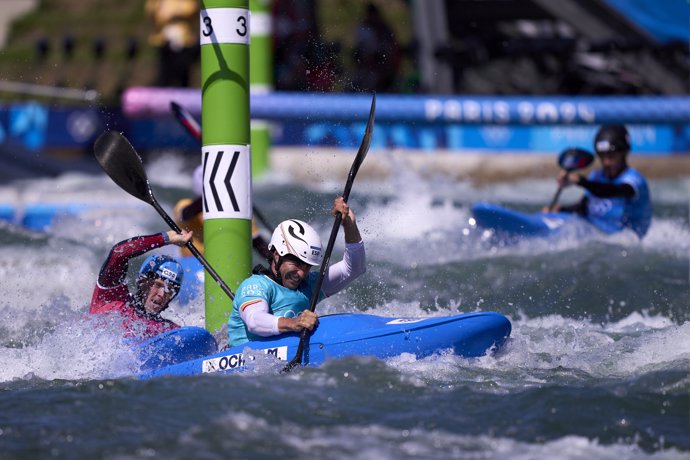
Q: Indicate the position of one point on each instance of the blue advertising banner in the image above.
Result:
(658, 126)
(646, 139)
(477, 110)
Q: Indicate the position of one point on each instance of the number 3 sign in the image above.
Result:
(224, 25)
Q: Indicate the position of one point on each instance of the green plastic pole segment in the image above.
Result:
(225, 152)
(261, 79)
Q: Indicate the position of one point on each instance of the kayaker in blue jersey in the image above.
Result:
(276, 299)
(616, 196)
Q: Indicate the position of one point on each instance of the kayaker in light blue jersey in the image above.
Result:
(616, 196)
(276, 299)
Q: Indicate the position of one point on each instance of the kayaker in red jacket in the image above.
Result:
(158, 282)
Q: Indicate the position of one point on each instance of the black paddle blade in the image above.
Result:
(121, 162)
(575, 158)
(363, 149)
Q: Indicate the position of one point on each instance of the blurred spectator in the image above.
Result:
(176, 38)
(294, 28)
(376, 53)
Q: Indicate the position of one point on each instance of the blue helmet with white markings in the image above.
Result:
(164, 267)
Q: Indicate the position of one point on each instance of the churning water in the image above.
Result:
(596, 367)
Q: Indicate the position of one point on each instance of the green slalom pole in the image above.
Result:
(225, 152)
(261, 79)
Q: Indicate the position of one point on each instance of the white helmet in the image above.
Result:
(299, 239)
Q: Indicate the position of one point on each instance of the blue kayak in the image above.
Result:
(507, 223)
(192, 350)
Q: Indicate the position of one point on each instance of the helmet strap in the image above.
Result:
(275, 269)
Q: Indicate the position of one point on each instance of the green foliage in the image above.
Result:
(114, 21)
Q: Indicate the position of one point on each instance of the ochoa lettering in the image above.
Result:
(223, 363)
(239, 360)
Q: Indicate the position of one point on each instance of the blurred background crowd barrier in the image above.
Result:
(452, 75)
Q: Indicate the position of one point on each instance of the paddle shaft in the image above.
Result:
(297, 360)
(193, 250)
(329, 247)
(555, 197)
(363, 149)
(571, 160)
(322, 270)
(261, 217)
